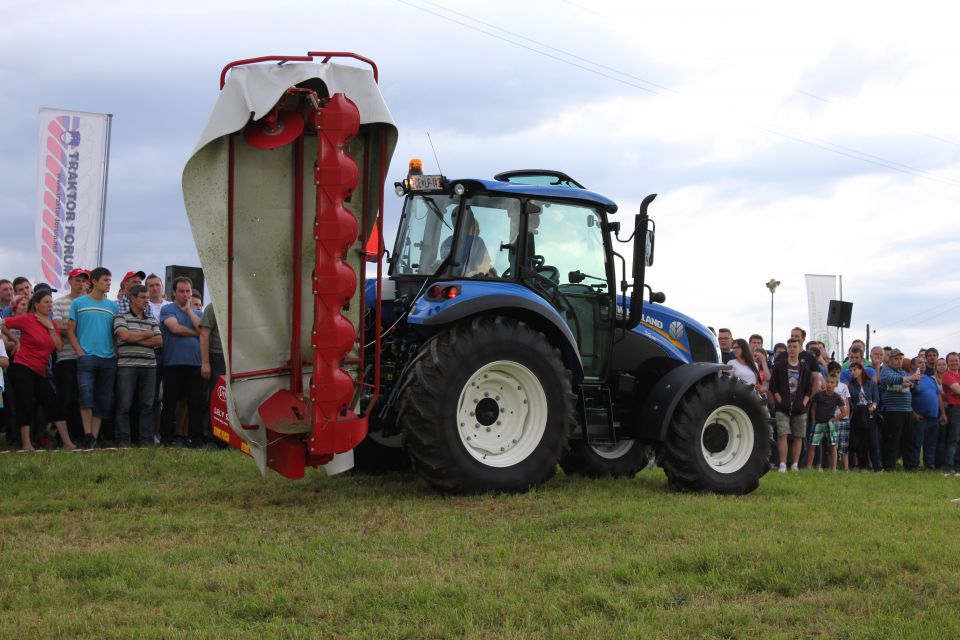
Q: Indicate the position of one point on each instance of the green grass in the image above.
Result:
(189, 544)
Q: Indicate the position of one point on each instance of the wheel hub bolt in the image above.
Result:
(488, 429)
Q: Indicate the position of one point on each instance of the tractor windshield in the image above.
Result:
(427, 225)
(481, 234)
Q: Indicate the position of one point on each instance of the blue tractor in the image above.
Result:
(514, 342)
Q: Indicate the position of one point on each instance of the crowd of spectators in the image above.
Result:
(135, 369)
(881, 413)
(138, 369)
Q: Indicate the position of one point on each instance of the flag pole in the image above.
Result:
(103, 188)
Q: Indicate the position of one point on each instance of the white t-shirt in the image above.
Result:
(3, 354)
(155, 308)
(844, 393)
(743, 372)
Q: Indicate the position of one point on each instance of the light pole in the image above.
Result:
(772, 285)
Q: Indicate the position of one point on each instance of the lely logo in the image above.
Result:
(676, 330)
(222, 393)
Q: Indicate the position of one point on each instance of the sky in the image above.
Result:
(781, 141)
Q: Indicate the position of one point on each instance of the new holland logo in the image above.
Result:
(676, 330)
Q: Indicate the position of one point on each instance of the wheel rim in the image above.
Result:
(727, 439)
(613, 451)
(501, 414)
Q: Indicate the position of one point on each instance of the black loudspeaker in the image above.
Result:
(839, 314)
(175, 271)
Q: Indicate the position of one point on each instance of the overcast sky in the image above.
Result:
(821, 138)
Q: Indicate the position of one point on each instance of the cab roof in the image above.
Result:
(540, 191)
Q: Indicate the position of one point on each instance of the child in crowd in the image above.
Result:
(825, 405)
(843, 423)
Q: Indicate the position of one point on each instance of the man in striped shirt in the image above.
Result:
(895, 385)
(137, 335)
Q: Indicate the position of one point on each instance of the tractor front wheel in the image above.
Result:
(717, 440)
(487, 406)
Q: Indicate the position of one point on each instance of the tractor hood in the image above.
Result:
(679, 334)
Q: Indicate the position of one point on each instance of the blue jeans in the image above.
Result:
(953, 435)
(139, 382)
(925, 437)
(95, 380)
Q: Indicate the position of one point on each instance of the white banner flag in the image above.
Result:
(820, 291)
(71, 191)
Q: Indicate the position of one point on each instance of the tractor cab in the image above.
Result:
(539, 230)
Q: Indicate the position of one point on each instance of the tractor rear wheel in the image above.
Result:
(718, 438)
(624, 459)
(487, 406)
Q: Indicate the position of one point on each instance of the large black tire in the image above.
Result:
(373, 457)
(718, 438)
(487, 406)
(623, 460)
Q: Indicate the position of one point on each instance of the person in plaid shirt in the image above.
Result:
(131, 279)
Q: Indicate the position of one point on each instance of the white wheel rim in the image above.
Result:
(501, 414)
(613, 451)
(731, 455)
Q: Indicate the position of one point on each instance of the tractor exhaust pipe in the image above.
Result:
(640, 226)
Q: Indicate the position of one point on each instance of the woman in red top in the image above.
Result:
(39, 337)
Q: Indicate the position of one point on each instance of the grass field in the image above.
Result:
(195, 544)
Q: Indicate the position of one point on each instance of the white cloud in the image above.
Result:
(738, 204)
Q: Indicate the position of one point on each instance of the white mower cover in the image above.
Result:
(263, 225)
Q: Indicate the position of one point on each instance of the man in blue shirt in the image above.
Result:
(180, 325)
(6, 297)
(90, 331)
(927, 413)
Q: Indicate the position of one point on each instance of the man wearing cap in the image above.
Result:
(65, 373)
(130, 279)
(895, 385)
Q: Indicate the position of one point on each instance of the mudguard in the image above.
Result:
(654, 417)
(481, 297)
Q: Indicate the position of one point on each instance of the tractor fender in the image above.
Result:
(654, 418)
(477, 297)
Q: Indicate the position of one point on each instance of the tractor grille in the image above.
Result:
(701, 348)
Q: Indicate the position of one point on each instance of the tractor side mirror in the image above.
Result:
(658, 296)
(575, 277)
(648, 248)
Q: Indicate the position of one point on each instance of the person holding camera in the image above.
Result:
(895, 384)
